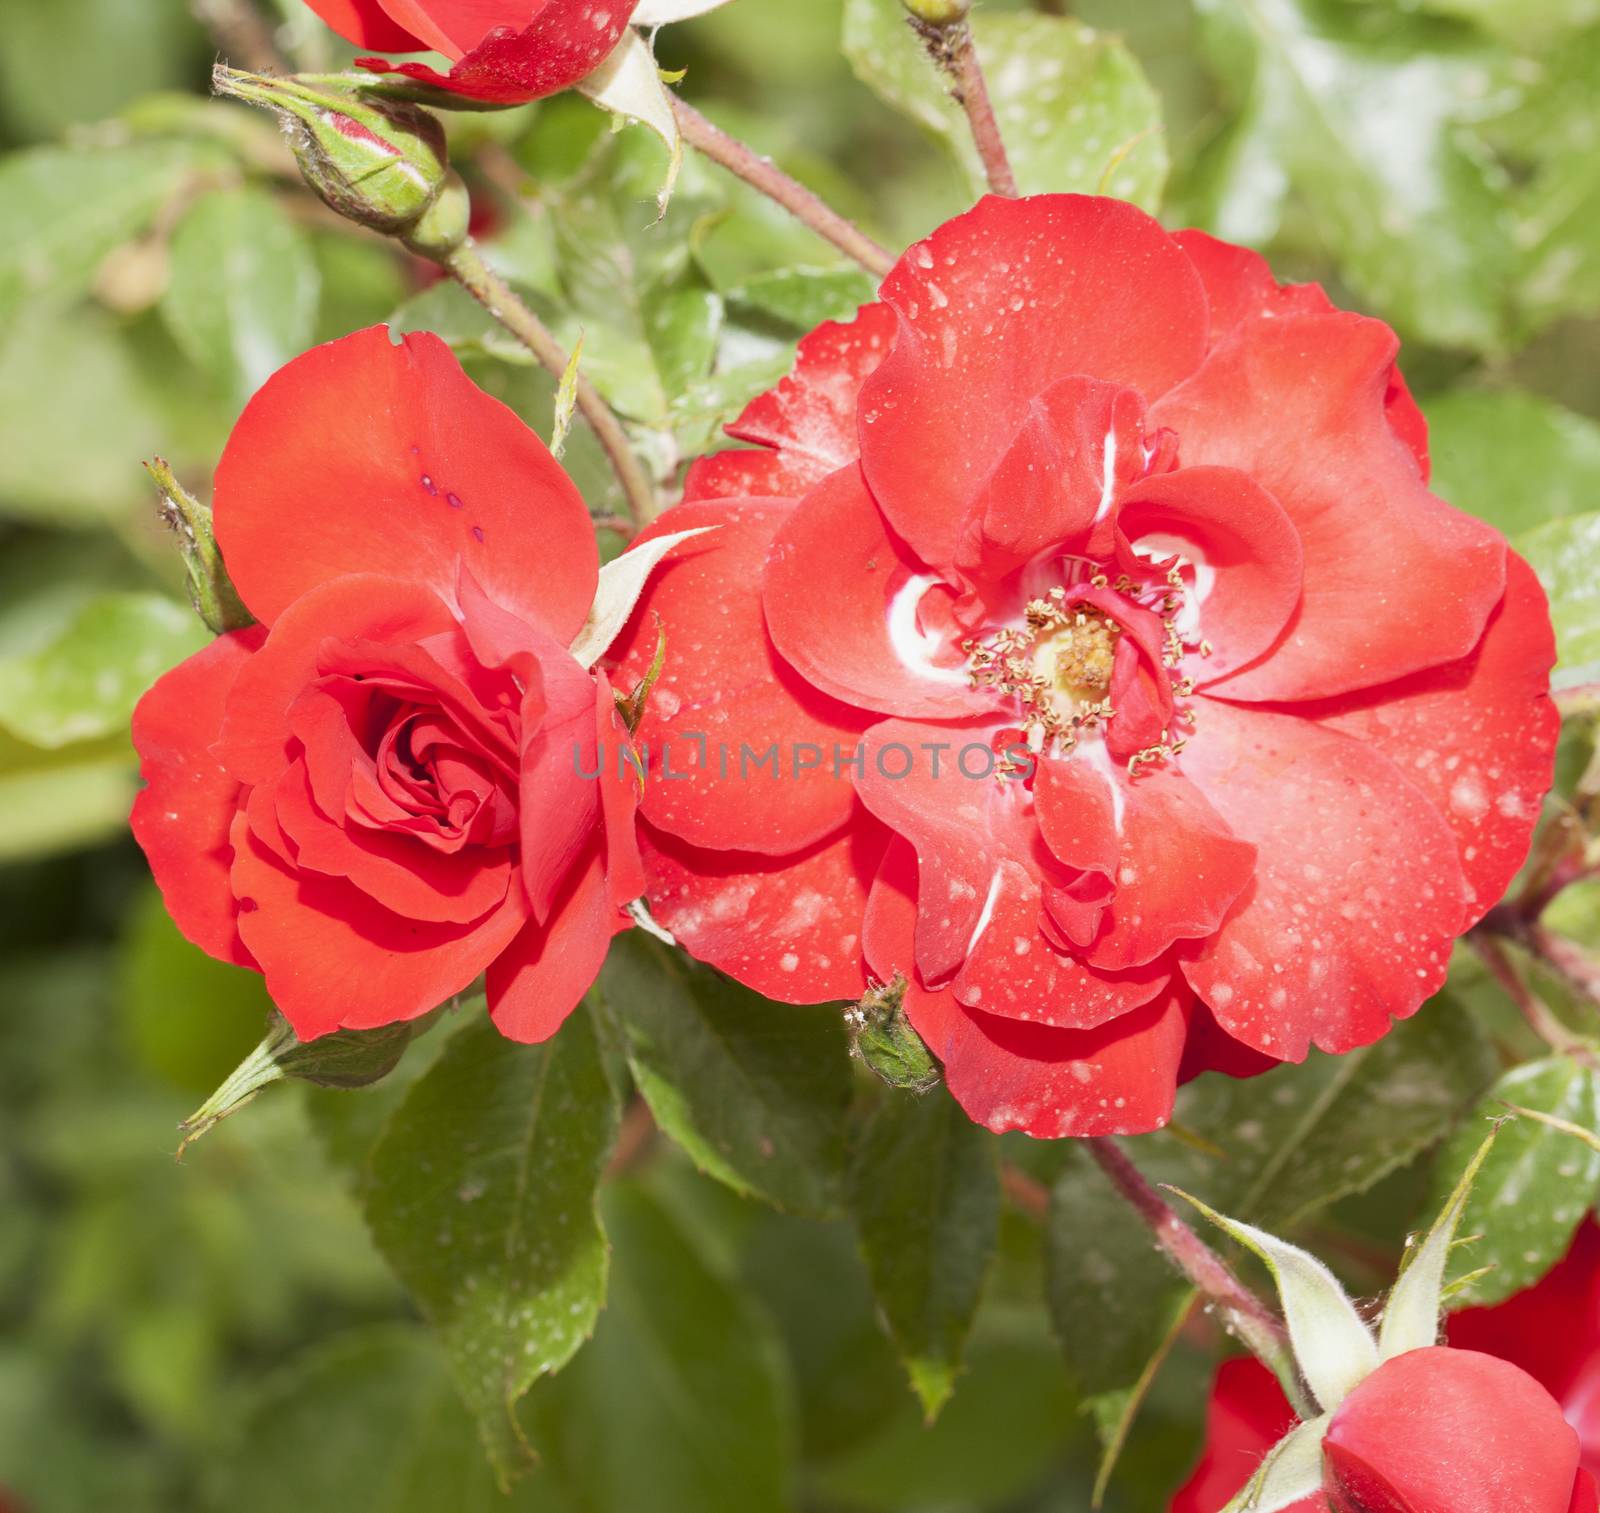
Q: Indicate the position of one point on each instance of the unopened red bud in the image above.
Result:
(938, 12)
(381, 163)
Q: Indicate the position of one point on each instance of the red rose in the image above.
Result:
(1443, 1412)
(1269, 722)
(378, 792)
(503, 52)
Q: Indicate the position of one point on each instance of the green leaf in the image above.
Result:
(84, 683)
(79, 416)
(1521, 23)
(1535, 1185)
(1557, 214)
(369, 1420)
(1566, 556)
(1113, 1295)
(188, 1017)
(1512, 458)
(1074, 107)
(67, 208)
(926, 1196)
(680, 1404)
(755, 1092)
(346, 1059)
(804, 297)
(1365, 116)
(483, 1200)
(242, 296)
(58, 801)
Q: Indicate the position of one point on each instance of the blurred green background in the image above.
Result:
(221, 1334)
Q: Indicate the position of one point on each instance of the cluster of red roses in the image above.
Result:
(1171, 722)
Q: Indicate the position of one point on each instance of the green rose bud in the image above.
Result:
(881, 1035)
(938, 12)
(381, 163)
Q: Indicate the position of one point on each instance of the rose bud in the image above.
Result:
(938, 12)
(380, 163)
(1453, 1430)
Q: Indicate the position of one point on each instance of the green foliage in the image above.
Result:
(680, 1404)
(483, 1200)
(755, 1092)
(241, 296)
(84, 683)
(926, 1197)
(1536, 1184)
(1566, 555)
(1352, 108)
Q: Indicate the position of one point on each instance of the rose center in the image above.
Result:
(1057, 665)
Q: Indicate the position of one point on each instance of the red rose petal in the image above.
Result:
(1478, 736)
(367, 24)
(1049, 1083)
(1240, 287)
(995, 307)
(841, 605)
(509, 53)
(334, 958)
(1357, 893)
(983, 869)
(1248, 556)
(547, 969)
(183, 817)
(398, 871)
(375, 457)
(788, 926)
(255, 735)
(724, 687)
(1174, 864)
(1395, 580)
(809, 418)
(1450, 1429)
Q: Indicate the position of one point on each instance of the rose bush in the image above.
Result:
(503, 52)
(1193, 728)
(1474, 1428)
(371, 796)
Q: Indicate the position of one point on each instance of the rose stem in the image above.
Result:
(1540, 1020)
(1244, 1313)
(972, 94)
(467, 266)
(761, 173)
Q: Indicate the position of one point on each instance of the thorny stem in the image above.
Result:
(467, 266)
(1243, 1312)
(953, 51)
(761, 173)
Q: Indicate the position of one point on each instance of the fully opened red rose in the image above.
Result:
(377, 793)
(1189, 719)
(503, 52)
(1498, 1423)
